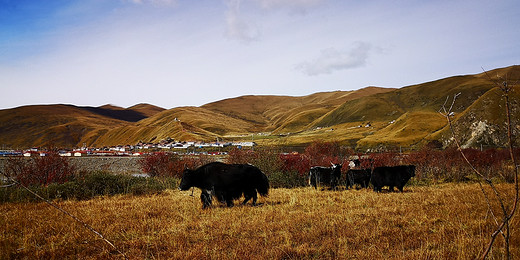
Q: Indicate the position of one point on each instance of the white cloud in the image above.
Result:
(237, 27)
(131, 51)
(331, 60)
(301, 5)
(155, 2)
(240, 25)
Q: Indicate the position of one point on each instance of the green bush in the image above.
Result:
(88, 186)
(292, 179)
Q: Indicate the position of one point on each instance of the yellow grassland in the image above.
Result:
(407, 130)
(449, 221)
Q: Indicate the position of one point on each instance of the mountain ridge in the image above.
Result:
(366, 118)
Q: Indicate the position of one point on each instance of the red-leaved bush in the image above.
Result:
(40, 170)
(323, 153)
(316, 154)
(267, 160)
(295, 162)
(292, 168)
(449, 165)
(242, 156)
(165, 164)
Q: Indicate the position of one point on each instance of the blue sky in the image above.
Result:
(173, 53)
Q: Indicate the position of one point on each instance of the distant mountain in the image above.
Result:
(146, 110)
(368, 118)
(64, 125)
(131, 114)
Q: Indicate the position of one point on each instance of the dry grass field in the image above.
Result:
(449, 221)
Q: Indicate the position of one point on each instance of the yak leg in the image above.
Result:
(230, 203)
(313, 180)
(205, 198)
(350, 182)
(254, 198)
(229, 200)
(248, 195)
(334, 183)
(318, 181)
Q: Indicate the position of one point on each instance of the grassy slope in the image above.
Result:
(233, 117)
(183, 123)
(42, 125)
(450, 221)
(146, 109)
(423, 97)
(409, 129)
(65, 125)
(423, 101)
(291, 120)
(282, 113)
(319, 105)
(490, 110)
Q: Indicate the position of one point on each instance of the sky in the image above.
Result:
(173, 53)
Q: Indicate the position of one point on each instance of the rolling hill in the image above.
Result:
(368, 118)
(64, 125)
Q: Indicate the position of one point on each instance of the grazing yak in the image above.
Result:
(325, 175)
(395, 176)
(361, 177)
(226, 182)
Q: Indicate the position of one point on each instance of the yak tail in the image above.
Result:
(263, 185)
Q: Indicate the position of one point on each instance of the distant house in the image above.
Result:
(30, 153)
(244, 144)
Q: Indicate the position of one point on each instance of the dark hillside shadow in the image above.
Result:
(123, 114)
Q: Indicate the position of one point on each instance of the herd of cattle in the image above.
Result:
(228, 182)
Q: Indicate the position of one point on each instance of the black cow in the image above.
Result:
(325, 175)
(226, 182)
(361, 177)
(395, 176)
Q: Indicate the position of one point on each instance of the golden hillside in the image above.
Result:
(229, 119)
(63, 125)
(371, 117)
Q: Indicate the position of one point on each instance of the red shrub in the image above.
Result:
(42, 170)
(449, 165)
(323, 153)
(165, 164)
(157, 164)
(385, 159)
(267, 160)
(295, 163)
(241, 156)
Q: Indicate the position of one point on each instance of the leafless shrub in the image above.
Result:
(502, 217)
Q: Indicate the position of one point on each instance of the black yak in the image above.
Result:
(227, 182)
(358, 176)
(396, 176)
(329, 176)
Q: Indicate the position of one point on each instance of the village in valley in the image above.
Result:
(141, 148)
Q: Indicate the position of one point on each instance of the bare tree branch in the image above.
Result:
(502, 227)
